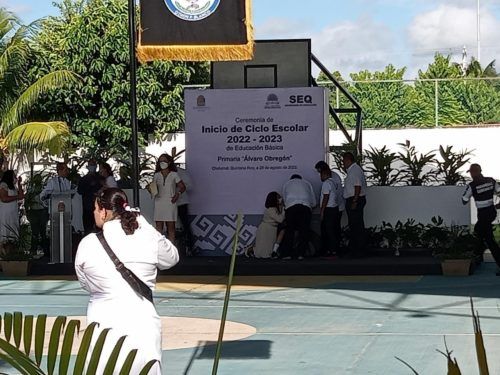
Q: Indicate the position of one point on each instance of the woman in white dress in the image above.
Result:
(9, 206)
(113, 303)
(170, 187)
(267, 239)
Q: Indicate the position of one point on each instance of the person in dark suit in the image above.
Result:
(88, 186)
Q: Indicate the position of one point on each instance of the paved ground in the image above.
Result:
(309, 325)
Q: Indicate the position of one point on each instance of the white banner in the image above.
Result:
(243, 144)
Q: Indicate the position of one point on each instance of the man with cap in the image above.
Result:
(483, 189)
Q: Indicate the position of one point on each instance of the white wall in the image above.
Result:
(484, 141)
(393, 203)
(404, 202)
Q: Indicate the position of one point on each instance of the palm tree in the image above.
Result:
(19, 93)
(476, 70)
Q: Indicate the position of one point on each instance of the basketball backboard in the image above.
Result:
(276, 63)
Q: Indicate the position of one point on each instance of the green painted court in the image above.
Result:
(304, 324)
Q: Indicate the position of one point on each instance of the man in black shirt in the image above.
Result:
(483, 189)
(88, 186)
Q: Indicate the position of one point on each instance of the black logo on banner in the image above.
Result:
(272, 102)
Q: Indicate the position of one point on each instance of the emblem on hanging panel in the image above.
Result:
(192, 10)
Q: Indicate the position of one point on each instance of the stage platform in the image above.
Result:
(416, 263)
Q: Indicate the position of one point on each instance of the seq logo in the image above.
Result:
(192, 10)
(300, 101)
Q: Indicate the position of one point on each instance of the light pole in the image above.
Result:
(478, 32)
(133, 101)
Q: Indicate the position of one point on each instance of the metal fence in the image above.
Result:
(422, 102)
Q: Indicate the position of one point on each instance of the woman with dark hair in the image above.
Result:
(113, 302)
(106, 173)
(9, 208)
(170, 187)
(267, 239)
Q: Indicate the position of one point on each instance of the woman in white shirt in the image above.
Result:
(113, 303)
(9, 207)
(170, 187)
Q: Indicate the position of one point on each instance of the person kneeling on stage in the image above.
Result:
(269, 235)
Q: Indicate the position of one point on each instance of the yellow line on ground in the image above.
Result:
(200, 283)
(217, 283)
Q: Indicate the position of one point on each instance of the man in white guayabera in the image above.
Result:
(299, 199)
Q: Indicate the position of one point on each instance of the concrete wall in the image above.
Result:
(482, 140)
(398, 204)
(421, 203)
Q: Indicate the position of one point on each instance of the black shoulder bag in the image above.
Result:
(137, 284)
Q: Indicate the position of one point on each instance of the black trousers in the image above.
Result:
(183, 213)
(298, 219)
(356, 224)
(484, 230)
(38, 222)
(88, 220)
(330, 230)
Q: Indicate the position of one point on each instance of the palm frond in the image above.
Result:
(45, 84)
(12, 354)
(8, 20)
(13, 57)
(41, 136)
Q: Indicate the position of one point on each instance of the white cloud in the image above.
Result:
(352, 46)
(280, 28)
(16, 7)
(449, 27)
(348, 46)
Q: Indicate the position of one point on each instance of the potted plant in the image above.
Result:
(16, 252)
(457, 254)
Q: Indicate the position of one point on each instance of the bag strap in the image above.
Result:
(137, 284)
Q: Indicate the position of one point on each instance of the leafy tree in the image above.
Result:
(476, 70)
(20, 128)
(90, 37)
(383, 103)
(450, 111)
(480, 99)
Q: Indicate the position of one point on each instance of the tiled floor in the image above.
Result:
(310, 325)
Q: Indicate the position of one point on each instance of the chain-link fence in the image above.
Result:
(421, 103)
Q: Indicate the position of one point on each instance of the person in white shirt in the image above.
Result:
(299, 200)
(56, 184)
(170, 188)
(113, 302)
(355, 196)
(331, 207)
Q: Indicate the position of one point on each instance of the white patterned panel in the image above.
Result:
(216, 233)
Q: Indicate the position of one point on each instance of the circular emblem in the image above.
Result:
(192, 10)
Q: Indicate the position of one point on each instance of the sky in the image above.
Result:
(353, 35)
